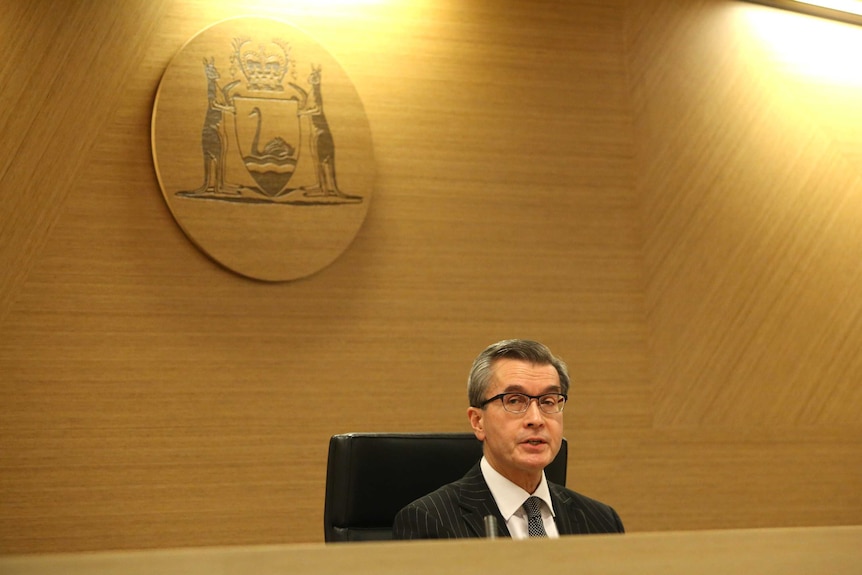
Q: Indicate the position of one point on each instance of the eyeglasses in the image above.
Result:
(520, 402)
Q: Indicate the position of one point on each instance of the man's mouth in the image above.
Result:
(535, 441)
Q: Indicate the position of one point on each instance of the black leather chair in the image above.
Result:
(371, 476)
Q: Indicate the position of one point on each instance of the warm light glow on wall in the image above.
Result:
(807, 72)
(326, 7)
(813, 47)
(356, 32)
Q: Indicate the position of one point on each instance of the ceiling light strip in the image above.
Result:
(842, 10)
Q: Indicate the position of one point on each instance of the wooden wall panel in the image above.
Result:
(65, 65)
(152, 399)
(751, 203)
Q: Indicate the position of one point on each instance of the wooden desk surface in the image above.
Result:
(821, 550)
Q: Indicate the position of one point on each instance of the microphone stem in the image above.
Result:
(490, 527)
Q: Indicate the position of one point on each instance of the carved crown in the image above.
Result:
(264, 66)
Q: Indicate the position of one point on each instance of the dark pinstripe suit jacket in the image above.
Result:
(459, 509)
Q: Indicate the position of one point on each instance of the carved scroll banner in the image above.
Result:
(262, 149)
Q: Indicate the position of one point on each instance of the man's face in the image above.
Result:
(519, 445)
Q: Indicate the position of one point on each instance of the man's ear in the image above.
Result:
(477, 422)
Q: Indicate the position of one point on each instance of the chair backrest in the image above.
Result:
(371, 476)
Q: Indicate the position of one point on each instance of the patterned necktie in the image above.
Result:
(533, 507)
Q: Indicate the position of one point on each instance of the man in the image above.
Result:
(517, 390)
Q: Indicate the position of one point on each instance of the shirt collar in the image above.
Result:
(510, 497)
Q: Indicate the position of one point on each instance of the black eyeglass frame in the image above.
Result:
(530, 398)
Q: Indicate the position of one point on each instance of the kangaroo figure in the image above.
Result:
(322, 144)
(214, 141)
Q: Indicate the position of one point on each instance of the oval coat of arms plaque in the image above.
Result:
(262, 149)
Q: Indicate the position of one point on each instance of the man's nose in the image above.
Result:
(534, 414)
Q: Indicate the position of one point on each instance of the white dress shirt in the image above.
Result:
(510, 500)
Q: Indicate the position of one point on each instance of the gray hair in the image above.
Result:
(523, 349)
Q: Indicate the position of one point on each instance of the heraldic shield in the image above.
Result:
(268, 135)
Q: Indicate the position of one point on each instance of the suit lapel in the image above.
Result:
(476, 502)
(569, 518)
